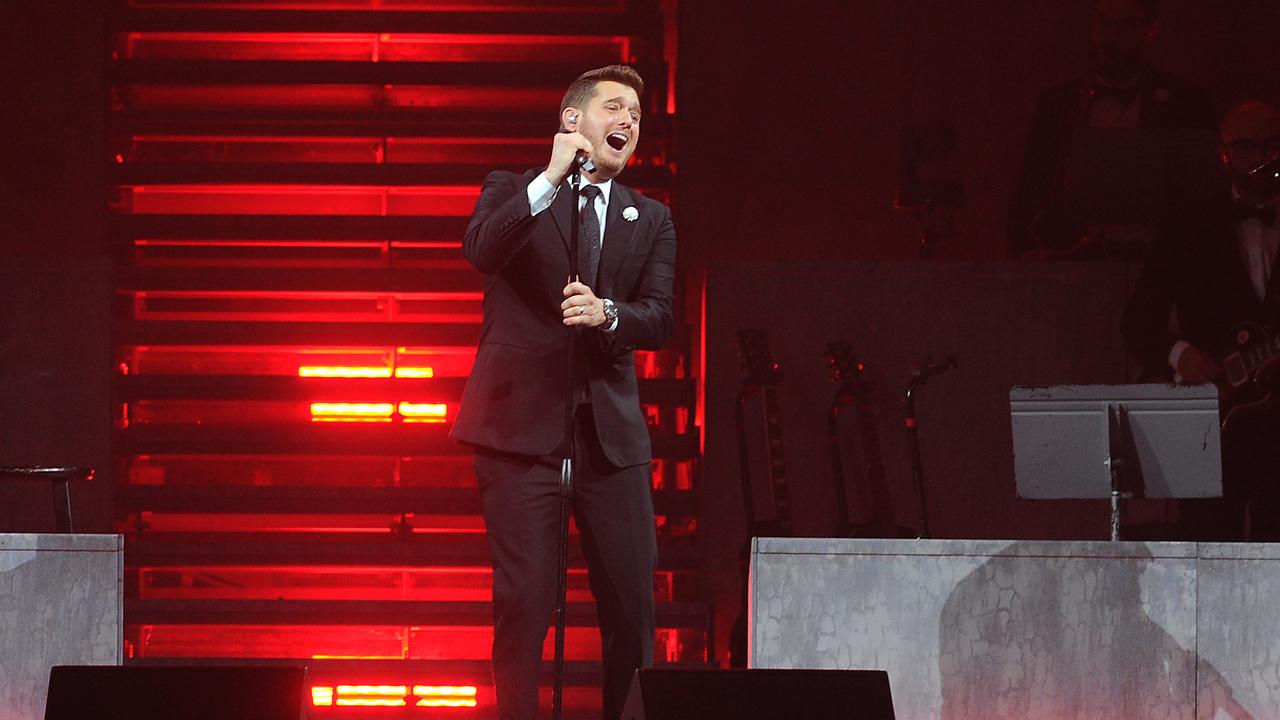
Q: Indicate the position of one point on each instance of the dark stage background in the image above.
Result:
(786, 146)
(789, 112)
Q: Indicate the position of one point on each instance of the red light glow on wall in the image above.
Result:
(372, 47)
(301, 306)
(344, 254)
(231, 149)
(251, 199)
(289, 184)
(334, 96)
(411, 362)
(335, 582)
(548, 6)
(402, 642)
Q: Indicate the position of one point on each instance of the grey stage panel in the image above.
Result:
(61, 603)
(1029, 630)
(1064, 437)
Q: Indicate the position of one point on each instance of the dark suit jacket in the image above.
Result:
(1167, 104)
(515, 398)
(1193, 268)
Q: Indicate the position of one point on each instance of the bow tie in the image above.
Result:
(1266, 214)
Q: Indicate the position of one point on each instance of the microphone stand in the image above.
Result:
(566, 464)
(919, 376)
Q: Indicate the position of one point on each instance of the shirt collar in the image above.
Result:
(605, 187)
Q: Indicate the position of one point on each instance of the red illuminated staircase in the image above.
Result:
(294, 323)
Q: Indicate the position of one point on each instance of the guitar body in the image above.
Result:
(854, 393)
(1249, 378)
(759, 399)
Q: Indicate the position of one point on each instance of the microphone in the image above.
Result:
(1269, 170)
(584, 161)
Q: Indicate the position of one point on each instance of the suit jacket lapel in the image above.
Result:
(1228, 246)
(619, 234)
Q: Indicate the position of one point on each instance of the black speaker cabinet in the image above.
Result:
(79, 692)
(759, 695)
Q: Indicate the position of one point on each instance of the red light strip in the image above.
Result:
(347, 371)
(339, 371)
(309, 150)
(595, 7)
(371, 47)
(348, 96)
(379, 412)
(269, 243)
(371, 696)
(393, 695)
(423, 412)
(297, 199)
(445, 695)
(321, 696)
(351, 412)
(415, 372)
(309, 295)
(256, 139)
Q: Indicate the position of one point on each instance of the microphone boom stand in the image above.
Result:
(919, 376)
(566, 464)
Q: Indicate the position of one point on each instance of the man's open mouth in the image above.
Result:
(617, 140)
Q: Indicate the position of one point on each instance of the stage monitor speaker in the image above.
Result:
(759, 695)
(81, 692)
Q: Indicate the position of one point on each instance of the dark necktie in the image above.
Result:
(1265, 214)
(588, 237)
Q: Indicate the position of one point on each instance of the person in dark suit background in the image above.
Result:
(1120, 91)
(512, 410)
(1213, 265)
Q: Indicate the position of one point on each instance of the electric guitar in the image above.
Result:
(761, 385)
(1247, 382)
(759, 394)
(853, 391)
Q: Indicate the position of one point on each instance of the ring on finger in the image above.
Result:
(582, 309)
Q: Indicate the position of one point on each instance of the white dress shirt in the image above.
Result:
(542, 193)
(1258, 246)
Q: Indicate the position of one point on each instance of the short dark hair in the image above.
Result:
(583, 89)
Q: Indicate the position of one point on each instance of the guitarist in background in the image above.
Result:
(1212, 265)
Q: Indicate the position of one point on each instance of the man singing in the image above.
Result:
(513, 407)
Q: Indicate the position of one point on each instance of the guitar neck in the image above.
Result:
(1259, 356)
(877, 478)
(777, 465)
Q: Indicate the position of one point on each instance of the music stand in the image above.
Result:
(1116, 441)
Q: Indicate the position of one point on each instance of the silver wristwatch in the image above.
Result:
(610, 312)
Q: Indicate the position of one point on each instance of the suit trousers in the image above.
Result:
(613, 509)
